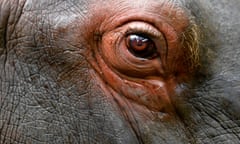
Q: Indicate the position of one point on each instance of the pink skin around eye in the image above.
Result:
(148, 83)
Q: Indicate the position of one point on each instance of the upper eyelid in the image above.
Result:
(143, 28)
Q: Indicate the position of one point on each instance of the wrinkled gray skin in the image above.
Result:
(37, 107)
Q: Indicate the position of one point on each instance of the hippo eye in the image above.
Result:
(141, 46)
(136, 49)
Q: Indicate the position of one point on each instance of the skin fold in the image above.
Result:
(69, 75)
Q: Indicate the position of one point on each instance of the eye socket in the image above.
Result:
(141, 46)
(136, 49)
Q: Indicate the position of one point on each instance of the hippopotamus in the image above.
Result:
(119, 71)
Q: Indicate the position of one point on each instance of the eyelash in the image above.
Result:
(138, 32)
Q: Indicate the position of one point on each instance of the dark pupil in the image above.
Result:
(141, 46)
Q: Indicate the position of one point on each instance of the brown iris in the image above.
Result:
(141, 46)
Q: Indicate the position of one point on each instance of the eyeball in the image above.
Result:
(141, 46)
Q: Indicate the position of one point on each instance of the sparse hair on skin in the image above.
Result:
(190, 42)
